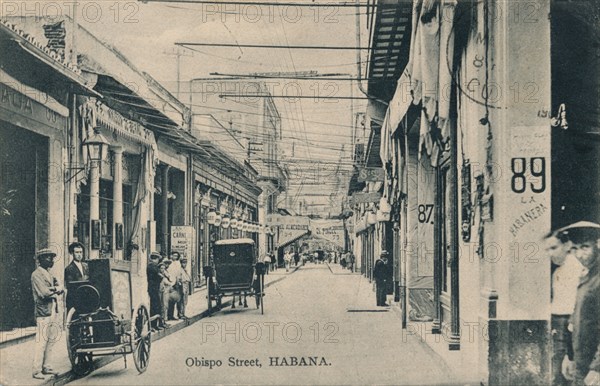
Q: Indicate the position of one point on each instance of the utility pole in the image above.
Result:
(178, 52)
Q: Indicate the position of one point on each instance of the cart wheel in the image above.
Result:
(141, 339)
(81, 364)
(209, 294)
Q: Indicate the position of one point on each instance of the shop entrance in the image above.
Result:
(576, 136)
(23, 191)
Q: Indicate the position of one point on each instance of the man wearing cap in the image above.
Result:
(565, 279)
(77, 270)
(46, 290)
(380, 273)
(585, 237)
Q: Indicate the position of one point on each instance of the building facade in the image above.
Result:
(480, 155)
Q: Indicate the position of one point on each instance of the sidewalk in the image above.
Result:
(16, 359)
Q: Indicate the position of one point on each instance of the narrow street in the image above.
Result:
(314, 312)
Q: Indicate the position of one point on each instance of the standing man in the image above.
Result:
(287, 259)
(154, 279)
(267, 261)
(174, 292)
(77, 270)
(380, 274)
(166, 284)
(184, 280)
(46, 291)
(565, 280)
(585, 237)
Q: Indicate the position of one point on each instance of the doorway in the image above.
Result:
(23, 196)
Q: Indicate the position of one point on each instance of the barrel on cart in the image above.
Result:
(235, 272)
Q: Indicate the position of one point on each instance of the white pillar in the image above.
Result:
(262, 216)
(94, 202)
(117, 198)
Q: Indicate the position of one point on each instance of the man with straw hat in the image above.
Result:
(45, 294)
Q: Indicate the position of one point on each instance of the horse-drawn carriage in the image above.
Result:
(235, 272)
(101, 320)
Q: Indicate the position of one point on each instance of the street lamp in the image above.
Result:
(95, 145)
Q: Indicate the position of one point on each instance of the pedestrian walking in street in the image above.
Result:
(380, 275)
(46, 291)
(296, 258)
(565, 280)
(184, 283)
(267, 261)
(273, 261)
(287, 259)
(154, 279)
(585, 237)
(76, 271)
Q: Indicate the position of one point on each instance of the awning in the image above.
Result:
(389, 46)
(34, 65)
(285, 243)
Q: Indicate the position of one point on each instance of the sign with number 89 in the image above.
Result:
(537, 169)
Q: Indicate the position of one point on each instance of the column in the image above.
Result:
(165, 209)
(117, 199)
(94, 204)
(262, 216)
(515, 270)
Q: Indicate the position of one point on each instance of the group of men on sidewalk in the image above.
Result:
(168, 288)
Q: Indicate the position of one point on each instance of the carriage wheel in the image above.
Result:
(141, 339)
(209, 294)
(81, 364)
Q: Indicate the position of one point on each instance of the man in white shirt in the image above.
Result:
(174, 271)
(287, 258)
(565, 280)
(267, 261)
(46, 291)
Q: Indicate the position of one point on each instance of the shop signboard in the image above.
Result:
(371, 175)
(330, 230)
(181, 240)
(361, 198)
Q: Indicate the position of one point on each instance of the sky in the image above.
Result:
(316, 132)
